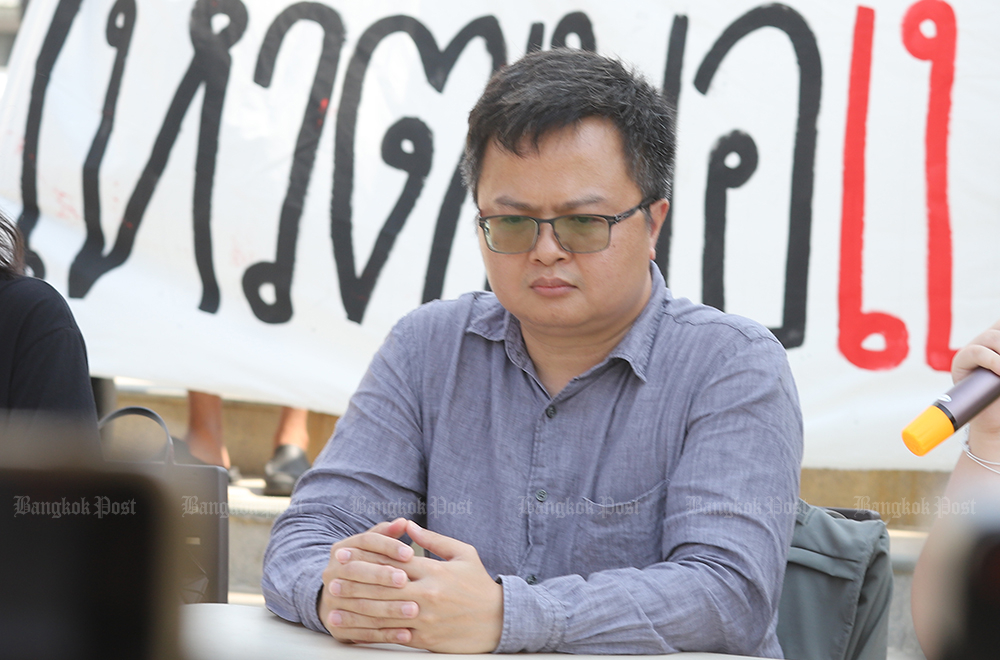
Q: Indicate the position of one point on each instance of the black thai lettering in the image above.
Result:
(279, 272)
(53, 44)
(411, 133)
(209, 68)
(119, 37)
(576, 23)
(535, 38)
(792, 331)
(672, 92)
(437, 66)
(722, 177)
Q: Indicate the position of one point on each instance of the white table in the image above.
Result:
(211, 631)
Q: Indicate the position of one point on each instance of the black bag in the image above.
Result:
(199, 506)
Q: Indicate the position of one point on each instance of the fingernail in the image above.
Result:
(399, 578)
(405, 552)
(402, 636)
(335, 588)
(335, 619)
(409, 609)
(343, 555)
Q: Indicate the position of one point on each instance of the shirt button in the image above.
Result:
(541, 495)
(550, 412)
(531, 579)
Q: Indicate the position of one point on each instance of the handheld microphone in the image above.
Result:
(952, 411)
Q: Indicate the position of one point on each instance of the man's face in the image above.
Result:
(578, 169)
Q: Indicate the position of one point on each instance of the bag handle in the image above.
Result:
(148, 414)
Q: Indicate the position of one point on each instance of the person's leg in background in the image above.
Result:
(205, 442)
(291, 440)
(204, 436)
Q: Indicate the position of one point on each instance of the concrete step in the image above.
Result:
(904, 547)
(251, 515)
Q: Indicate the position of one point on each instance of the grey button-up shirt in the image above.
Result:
(646, 508)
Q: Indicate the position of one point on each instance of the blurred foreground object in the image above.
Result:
(961, 601)
(87, 561)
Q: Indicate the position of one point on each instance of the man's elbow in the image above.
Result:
(747, 617)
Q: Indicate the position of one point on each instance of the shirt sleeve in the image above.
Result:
(373, 463)
(44, 362)
(50, 371)
(730, 512)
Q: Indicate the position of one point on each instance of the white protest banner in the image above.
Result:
(242, 196)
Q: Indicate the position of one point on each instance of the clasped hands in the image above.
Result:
(376, 590)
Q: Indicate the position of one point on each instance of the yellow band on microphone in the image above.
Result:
(927, 431)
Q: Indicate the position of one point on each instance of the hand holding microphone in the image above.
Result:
(977, 385)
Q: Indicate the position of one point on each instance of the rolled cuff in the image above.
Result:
(305, 596)
(533, 620)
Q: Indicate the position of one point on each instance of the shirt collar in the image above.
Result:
(491, 321)
(637, 345)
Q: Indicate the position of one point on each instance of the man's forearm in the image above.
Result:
(666, 608)
(297, 553)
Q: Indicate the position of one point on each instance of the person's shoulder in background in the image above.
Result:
(43, 357)
(27, 300)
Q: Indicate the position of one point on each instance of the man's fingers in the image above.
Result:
(371, 573)
(365, 613)
(344, 624)
(347, 555)
(374, 543)
(342, 588)
(373, 635)
(443, 546)
(395, 528)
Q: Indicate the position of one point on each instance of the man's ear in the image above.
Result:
(658, 214)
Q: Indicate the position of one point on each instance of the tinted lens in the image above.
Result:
(511, 233)
(582, 233)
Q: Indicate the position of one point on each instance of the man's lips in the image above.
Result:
(551, 286)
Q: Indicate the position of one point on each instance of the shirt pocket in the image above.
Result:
(614, 534)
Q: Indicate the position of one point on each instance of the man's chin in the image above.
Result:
(553, 321)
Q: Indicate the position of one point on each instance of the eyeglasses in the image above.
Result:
(579, 233)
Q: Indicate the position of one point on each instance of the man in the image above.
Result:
(599, 467)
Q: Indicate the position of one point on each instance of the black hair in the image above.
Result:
(548, 90)
(11, 249)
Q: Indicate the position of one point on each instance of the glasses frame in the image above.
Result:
(612, 220)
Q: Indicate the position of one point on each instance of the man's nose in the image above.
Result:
(547, 249)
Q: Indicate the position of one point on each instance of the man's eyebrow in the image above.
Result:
(511, 203)
(566, 207)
